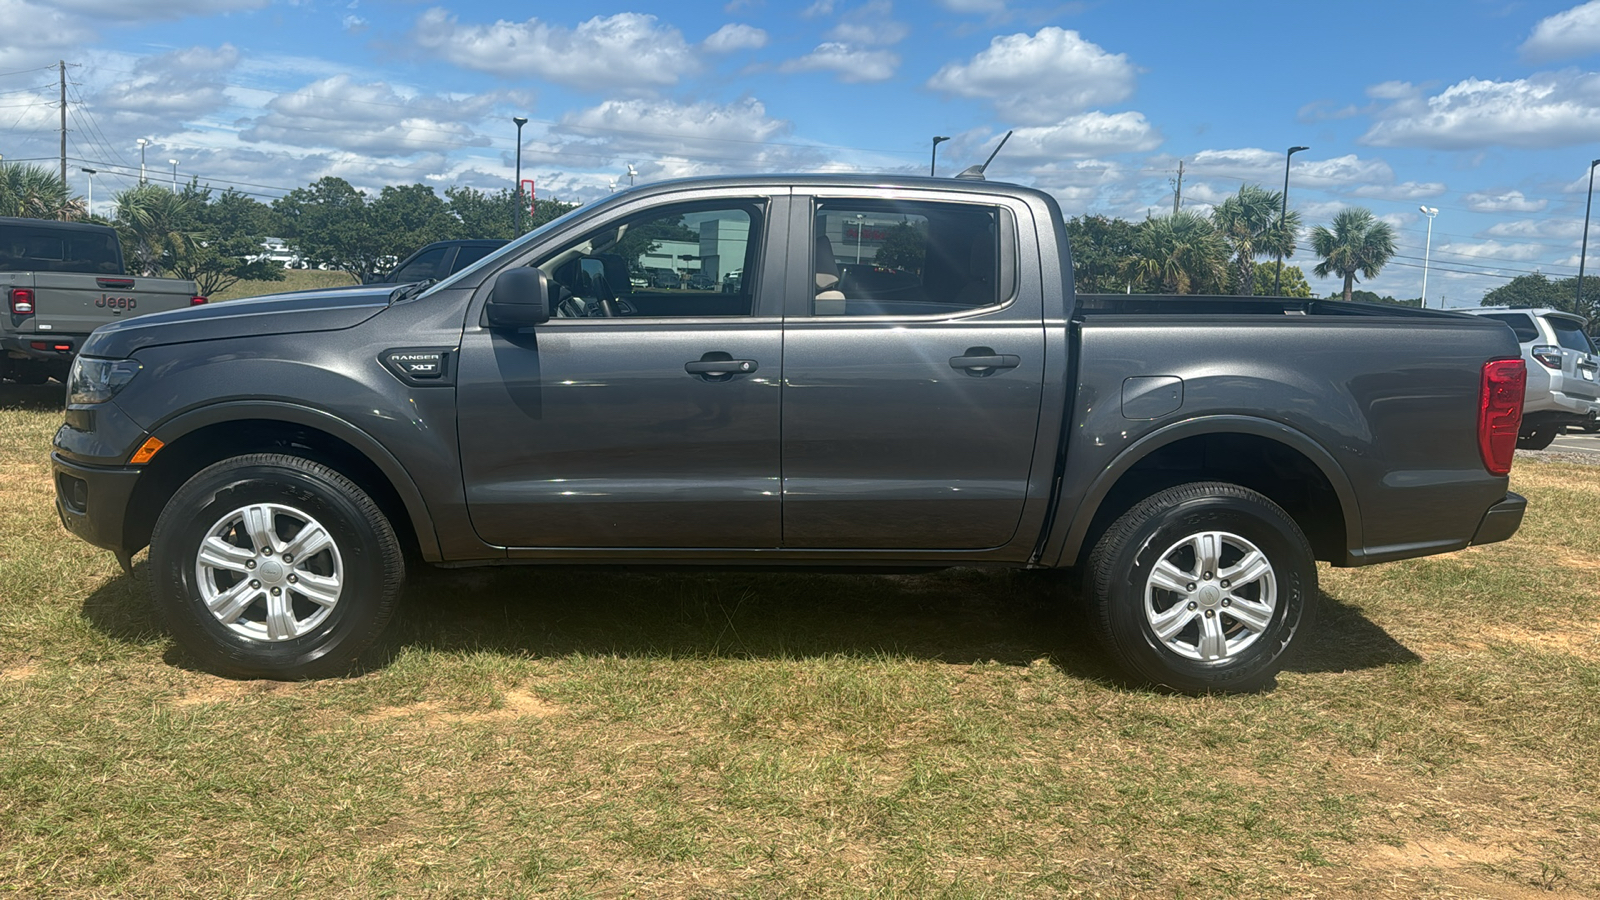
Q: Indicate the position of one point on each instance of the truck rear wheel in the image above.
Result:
(273, 566)
(1538, 438)
(1204, 587)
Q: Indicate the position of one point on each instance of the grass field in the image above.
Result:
(293, 280)
(627, 735)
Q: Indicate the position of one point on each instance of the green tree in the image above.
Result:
(1180, 254)
(1358, 244)
(157, 227)
(327, 224)
(1531, 291)
(35, 192)
(227, 233)
(1293, 283)
(1102, 251)
(904, 247)
(1251, 223)
(486, 216)
(408, 217)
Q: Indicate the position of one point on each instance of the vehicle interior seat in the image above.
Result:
(830, 301)
(979, 290)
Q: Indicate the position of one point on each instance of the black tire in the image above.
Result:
(1538, 438)
(1125, 559)
(1591, 427)
(362, 558)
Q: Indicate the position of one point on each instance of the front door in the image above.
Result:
(912, 382)
(645, 414)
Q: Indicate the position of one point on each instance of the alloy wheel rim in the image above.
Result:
(1210, 596)
(269, 572)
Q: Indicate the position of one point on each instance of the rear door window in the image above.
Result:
(1521, 325)
(907, 259)
(1569, 334)
(25, 249)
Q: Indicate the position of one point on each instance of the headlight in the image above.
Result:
(98, 380)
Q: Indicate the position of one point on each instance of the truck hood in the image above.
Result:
(296, 313)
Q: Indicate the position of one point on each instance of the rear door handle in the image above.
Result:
(715, 367)
(980, 361)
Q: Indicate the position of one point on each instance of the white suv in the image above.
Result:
(1563, 372)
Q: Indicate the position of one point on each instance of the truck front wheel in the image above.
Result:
(273, 566)
(1204, 587)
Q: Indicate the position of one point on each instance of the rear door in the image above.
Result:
(913, 369)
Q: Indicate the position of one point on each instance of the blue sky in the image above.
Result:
(1487, 111)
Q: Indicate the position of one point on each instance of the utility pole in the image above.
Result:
(63, 67)
(1177, 195)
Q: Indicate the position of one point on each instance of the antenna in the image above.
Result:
(976, 172)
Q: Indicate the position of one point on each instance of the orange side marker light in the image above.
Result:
(146, 451)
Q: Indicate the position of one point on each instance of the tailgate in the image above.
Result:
(78, 303)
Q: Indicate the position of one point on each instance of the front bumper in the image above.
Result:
(1502, 520)
(92, 502)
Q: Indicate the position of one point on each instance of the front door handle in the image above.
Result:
(982, 361)
(713, 368)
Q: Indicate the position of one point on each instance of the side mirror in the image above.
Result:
(520, 298)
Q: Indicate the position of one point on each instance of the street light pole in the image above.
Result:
(935, 160)
(1584, 253)
(516, 220)
(91, 173)
(1427, 252)
(143, 142)
(1283, 217)
(860, 228)
(174, 175)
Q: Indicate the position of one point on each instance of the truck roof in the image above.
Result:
(53, 225)
(921, 182)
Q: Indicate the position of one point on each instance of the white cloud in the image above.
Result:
(1409, 190)
(734, 36)
(851, 64)
(870, 24)
(732, 136)
(627, 50)
(1494, 250)
(1040, 78)
(1537, 230)
(374, 118)
(32, 35)
(1575, 32)
(1505, 201)
(1545, 110)
(168, 90)
(1085, 135)
(354, 24)
(818, 9)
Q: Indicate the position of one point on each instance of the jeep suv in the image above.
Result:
(1563, 372)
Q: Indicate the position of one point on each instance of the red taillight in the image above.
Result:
(196, 300)
(1549, 356)
(1500, 412)
(22, 301)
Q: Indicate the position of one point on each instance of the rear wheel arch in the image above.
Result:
(1268, 457)
(202, 437)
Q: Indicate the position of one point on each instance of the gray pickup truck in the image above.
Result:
(903, 379)
(62, 280)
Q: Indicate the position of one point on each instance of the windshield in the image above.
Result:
(1569, 334)
(511, 248)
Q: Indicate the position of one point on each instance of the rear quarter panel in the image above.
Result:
(1394, 403)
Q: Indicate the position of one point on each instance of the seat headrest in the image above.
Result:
(827, 266)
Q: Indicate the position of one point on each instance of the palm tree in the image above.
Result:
(1182, 254)
(157, 226)
(1358, 244)
(1251, 223)
(34, 192)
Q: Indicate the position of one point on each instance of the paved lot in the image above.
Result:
(1578, 443)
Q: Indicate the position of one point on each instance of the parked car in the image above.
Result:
(61, 280)
(1189, 457)
(438, 261)
(1563, 372)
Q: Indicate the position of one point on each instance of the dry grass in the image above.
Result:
(293, 280)
(612, 734)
